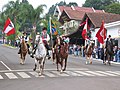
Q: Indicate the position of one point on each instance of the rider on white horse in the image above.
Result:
(45, 38)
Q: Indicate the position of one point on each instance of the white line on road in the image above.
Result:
(11, 76)
(23, 75)
(5, 65)
(1, 77)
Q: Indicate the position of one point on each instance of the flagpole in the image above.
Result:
(51, 36)
(51, 31)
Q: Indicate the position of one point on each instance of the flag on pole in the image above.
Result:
(54, 29)
(101, 34)
(9, 27)
(84, 32)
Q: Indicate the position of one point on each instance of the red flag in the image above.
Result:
(84, 32)
(9, 27)
(101, 34)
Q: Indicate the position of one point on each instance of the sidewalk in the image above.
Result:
(99, 60)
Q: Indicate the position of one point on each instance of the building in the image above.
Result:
(71, 17)
(112, 24)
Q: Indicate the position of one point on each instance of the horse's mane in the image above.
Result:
(24, 46)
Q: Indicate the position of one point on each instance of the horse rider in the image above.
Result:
(26, 38)
(36, 44)
(109, 39)
(45, 38)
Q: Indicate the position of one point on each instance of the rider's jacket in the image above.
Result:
(45, 37)
(26, 38)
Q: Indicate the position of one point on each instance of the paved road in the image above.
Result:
(78, 75)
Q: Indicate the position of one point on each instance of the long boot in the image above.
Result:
(49, 57)
(19, 51)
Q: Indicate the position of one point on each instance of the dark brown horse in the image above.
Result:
(61, 50)
(108, 51)
(23, 53)
(88, 52)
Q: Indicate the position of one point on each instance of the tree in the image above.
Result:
(72, 4)
(113, 8)
(98, 4)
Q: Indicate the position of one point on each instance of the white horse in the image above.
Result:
(40, 56)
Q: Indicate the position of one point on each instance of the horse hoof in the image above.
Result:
(90, 62)
(64, 69)
(34, 69)
(39, 74)
(61, 71)
(86, 62)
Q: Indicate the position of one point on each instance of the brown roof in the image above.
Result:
(84, 9)
(74, 14)
(77, 13)
(96, 18)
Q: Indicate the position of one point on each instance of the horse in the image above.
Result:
(24, 50)
(108, 51)
(61, 51)
(88, 52)
(40, 56)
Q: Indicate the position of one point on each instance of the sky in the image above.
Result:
(49, 3)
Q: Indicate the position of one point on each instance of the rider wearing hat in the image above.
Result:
(45, 38)
(26, 38)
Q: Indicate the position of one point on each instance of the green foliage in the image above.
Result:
(98, 4)
(62, 3)
(113, 8)
(72, 4)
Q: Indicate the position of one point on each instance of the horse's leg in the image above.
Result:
(53, 56)
(110, 58)
(90, 59)
(22, 57)
(57, 62)
(87, 59)
(65, 64)
(42, 65)
(35, 65)
(61, 63)
(44, 62)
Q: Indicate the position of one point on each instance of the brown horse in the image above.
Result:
(23, 53)
(61, 55)
(108, 51)
(88, 52)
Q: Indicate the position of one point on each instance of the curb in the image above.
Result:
(99, 60)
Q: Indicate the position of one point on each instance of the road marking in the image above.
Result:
(60, 74)
(103, 72)
(1, 77)
(97, 74)
(72, 73)
(23, 70)
(11, 76)
(50, 74)
(5, 65)
(36, 74)
(114, 72)
(84, 73)
(23, 74)
(30, 74)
